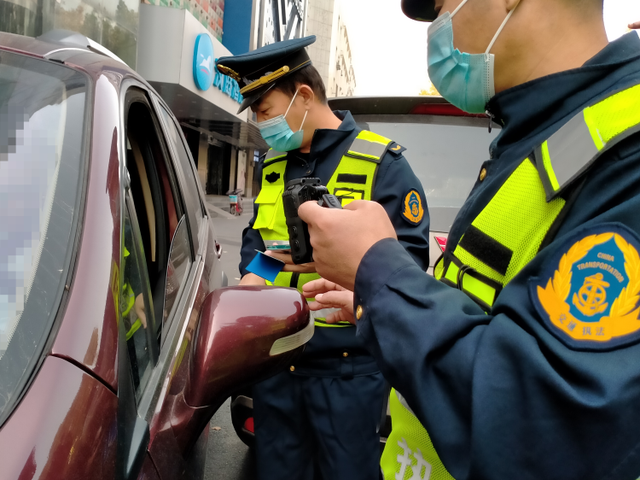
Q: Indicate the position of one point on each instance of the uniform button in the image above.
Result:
(345, 354)
(359, 312)
(483, 174)
(292, 368)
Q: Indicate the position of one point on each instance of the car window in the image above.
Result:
(177, 272)
(159, 203)
(445, 153)
(42, 118)
(191, 186)
(134, 304)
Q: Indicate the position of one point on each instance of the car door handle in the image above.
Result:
(218, 249)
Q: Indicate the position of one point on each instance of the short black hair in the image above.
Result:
(306, 76)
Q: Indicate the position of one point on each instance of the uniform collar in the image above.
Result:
(325, 140)
(556, 96)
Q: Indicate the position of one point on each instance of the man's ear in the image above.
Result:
(511, 4)
(306, 93)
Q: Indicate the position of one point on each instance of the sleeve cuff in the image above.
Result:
(379, 264)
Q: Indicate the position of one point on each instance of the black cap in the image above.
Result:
(258, 71)
(421, 10)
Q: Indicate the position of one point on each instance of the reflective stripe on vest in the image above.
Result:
(583, 139)
(353, 179)
(508, 233)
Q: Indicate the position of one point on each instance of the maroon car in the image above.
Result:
(118, 337)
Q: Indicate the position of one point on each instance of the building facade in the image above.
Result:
(158, 39)
(278, 20)
(342, 79)
(112, 23)
(220, 139)
(331, 53)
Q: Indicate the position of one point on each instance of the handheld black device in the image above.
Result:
(297, 192)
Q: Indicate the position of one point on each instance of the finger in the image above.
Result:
(634, 25)
(356, 205)
(308, 210)
(337, 299)
(252, 279)
(340, 316)
(283, 257)
(321, 285)
(331, 318)
(302, 268)
(315, 306)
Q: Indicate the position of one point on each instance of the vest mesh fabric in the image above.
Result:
(409, 448)
(518, 217)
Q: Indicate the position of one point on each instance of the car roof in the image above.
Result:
(386, 105)
(66, 47)
(383, 105)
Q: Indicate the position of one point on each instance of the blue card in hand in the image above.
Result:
(265, 266)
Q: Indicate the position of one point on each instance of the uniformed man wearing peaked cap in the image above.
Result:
(519, 357)
(325, 410)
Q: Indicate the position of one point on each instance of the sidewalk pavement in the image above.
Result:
(218, 206)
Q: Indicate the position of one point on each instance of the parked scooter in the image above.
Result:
(235, 201)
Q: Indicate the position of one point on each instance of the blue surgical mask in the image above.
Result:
(463, 79)
(277, 133)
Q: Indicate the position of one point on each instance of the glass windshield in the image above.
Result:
(42, 107)
(445, 153)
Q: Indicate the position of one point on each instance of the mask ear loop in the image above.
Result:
(289, 108)
(504, 22)
(458, 8)
(305, 112)
(303, 119)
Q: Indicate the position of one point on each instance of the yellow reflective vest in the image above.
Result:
(352, 180)
(506, 235)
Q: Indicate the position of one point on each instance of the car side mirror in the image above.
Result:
(246, 334)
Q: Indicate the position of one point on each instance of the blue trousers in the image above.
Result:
(327, 422)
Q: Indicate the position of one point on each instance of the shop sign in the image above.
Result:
(203, 61)
(205, 74)
(227, 85)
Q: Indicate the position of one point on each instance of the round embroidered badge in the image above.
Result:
(413, 210)
(591, 297)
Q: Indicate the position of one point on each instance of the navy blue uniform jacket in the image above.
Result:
(394, 180)
(501, 396)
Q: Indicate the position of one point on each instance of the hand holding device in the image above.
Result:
(295, 194)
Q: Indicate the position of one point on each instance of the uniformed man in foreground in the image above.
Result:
(326, 410)
(521, 358)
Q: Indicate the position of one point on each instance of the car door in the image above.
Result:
(164, 235)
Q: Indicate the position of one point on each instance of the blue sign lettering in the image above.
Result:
(227, 85)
